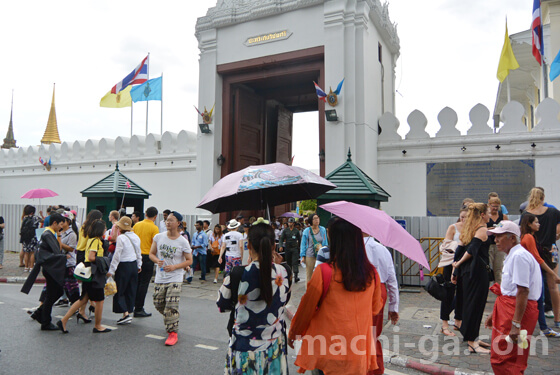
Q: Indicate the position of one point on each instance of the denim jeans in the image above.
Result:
(540, 302)
(200, 259)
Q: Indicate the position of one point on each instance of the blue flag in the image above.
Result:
(555, 68)
(150, 90)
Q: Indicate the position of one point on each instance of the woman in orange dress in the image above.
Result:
(335, 324)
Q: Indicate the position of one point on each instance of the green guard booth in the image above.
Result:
(107, 195)
(353, 185)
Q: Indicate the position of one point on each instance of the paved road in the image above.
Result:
(137, 348)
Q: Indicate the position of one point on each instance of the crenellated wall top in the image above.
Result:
(91, 150)
(512, 117)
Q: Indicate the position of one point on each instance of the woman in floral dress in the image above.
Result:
(28, 237)
(257, 294)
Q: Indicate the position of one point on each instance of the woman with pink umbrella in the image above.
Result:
(28, 237)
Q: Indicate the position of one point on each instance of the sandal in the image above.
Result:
(447, 332)
(475, 350)
(483, 344)
(456, 327)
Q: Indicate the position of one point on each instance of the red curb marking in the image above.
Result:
(431, 369)
(38, 280)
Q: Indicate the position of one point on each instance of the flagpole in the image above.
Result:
(161, 104)
(147, 101)
(545, 78)
(131, 114)
(508, 89)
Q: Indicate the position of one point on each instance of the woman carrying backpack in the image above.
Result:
(28, 237)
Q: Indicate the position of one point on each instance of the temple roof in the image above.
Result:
(115, 185)
(51, 132)
(9, 141)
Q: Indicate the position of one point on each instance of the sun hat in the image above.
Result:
(125, 223)
(506, 226)
(233, 224)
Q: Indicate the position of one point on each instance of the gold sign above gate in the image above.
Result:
(266, 38)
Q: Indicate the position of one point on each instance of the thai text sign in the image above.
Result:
(265, 38)
(447, 184)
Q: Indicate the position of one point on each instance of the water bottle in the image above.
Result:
(161, 267)
(554, 254)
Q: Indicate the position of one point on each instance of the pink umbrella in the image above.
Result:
(383, 227)
(39, 193)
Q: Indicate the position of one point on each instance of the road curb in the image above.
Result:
(427, 368)
(19, 279)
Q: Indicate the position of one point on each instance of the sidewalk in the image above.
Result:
(415, 342)
(12, 273)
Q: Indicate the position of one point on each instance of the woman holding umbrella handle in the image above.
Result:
(312, 239)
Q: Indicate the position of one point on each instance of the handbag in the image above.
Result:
(82, 273)
(447, 252)
(437, 287)
(491, 276)
(316, 245)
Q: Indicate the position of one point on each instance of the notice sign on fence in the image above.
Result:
(447, 184)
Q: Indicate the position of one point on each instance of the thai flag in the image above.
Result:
(538, 43)
(137, 76)
(320, 93)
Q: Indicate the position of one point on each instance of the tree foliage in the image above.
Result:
(308, 205)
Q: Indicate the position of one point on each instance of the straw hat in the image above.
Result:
(125, 223)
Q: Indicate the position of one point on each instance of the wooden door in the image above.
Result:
(248, 129)
(283, 147)
(284, 136)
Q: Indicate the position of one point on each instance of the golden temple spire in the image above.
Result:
(9, 141)
(51, 133)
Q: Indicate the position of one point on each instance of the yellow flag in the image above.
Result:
(120, 100)
(507, 59)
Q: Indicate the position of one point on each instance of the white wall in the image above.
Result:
(305, 25)
(164, 165)
(403, 175)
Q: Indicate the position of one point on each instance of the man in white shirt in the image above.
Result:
(381, 258)
(172, 254)
(232, 246)
(516, 308)
(161, 226)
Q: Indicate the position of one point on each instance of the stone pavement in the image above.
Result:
(415, 342)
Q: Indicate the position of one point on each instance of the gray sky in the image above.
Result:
(449, 56)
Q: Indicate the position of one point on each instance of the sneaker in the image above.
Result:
(171, 339)
(549, 314)
(125, 320)
(550, 333)
(215, 281)
(556, 324)
(61, 302)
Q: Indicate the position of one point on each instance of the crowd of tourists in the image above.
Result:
(349, 278)
(518, 261)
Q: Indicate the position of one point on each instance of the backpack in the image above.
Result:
(27, 231)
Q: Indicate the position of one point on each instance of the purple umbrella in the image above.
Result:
(262, 186)
(383, 227)
(39, 193)
(291, 214)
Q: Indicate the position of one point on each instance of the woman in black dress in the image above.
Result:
(473, 268)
